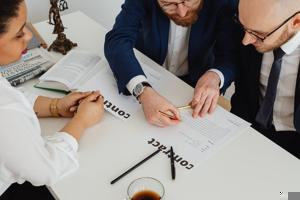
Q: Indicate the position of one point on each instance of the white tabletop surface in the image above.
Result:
(250, 167)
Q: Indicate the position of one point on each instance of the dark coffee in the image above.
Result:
(146, 195)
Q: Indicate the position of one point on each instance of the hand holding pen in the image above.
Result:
(172, 117)
(154, 105)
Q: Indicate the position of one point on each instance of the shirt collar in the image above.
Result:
(291, 45)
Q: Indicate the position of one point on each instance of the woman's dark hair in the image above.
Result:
(8, 9)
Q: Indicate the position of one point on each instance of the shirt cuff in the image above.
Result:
(62, 138)
(134, 81)
(220, 74)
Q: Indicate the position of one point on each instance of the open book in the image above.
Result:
(84, 71)
(70, 72)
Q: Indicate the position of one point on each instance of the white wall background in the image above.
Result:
(103, 11)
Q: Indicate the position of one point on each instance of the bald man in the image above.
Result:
(268, 86)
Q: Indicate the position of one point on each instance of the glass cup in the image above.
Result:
(145, 188)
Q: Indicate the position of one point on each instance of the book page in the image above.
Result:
(72, 68)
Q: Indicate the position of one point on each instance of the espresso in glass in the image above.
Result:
(145, 188)
(146, 195)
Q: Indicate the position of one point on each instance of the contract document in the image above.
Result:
(195, 140)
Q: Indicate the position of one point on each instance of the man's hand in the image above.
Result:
(153, 103)
(206, 94)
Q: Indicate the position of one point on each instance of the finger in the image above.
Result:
(80, 95)
(77, 97)
(206, 106)
(155, 122)
(100, 99)
(175, 112)
(83, 93)
(213, 104)
(73, 109)
(158, 124)
(164, 120)
(168, 120)
(96, 92)
(196, 98)
(99, 102)
(195, 102)
(91, 97)
(199, 106)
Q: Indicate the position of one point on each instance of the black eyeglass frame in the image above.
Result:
(175, 4)
(262, 39)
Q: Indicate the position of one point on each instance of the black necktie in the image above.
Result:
(264, 116)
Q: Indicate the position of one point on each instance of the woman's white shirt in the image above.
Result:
(24, 153)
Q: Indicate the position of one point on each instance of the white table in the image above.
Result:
(249, 168)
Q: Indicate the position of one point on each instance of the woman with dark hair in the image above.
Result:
(24, 154)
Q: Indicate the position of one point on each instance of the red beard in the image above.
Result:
(190, 18)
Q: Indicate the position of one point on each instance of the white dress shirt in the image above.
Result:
(283, 114)
(24, 153)
(177, 57)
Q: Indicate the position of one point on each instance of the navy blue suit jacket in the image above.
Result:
(141, 24)
(245, 101)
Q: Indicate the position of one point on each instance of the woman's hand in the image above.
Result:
(90, 110)
(68, 105)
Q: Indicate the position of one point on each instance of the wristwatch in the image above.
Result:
(139, 89)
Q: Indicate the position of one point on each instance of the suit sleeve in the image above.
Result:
(226, 46)
(120, 41)
(297, 119)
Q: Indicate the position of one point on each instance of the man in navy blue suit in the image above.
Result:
(193, 39)
(268, 85)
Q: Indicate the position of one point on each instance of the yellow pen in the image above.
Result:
(184, 107)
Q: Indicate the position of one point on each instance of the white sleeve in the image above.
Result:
(28, 156)
(220, 74)
(134, 81)
(29, 96)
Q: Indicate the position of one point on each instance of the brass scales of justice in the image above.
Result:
(61, 44)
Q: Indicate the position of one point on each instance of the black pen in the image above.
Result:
(135, 166)
(173, 171)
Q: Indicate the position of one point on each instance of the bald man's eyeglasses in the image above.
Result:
(257, 36)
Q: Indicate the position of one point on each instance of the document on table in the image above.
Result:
(117, 104)
(195, 140)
